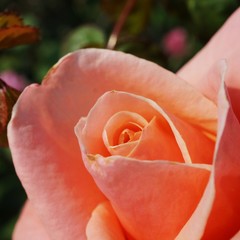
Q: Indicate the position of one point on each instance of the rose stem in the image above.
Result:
(119, 24)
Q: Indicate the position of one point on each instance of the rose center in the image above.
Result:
(131, 132)
(122, 132)
(128, 135)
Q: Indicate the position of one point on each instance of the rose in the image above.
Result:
(48, 162)
(192, 194)
(64, 202)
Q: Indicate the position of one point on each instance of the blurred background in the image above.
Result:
(166, 32)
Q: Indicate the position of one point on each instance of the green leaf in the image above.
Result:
(83, 37)
(208, 16)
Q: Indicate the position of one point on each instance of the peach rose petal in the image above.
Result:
(223, 45)
(236, 237)
(115, 102)
(152, 199)
(194, 227)
(104, 224)
(157, 143)
(29, 226)
(231, 76)
(92, 72)
(141, 110)
(122, 132)
(226, 208)
(219, 208)
(233, 83)
(48, 161)
(201, 149)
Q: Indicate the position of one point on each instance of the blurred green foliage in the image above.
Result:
(68, 25)
(83, 37)
(12, 196)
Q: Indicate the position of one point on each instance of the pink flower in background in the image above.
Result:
(175, 42)
(14, 79)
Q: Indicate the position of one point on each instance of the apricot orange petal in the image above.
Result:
(226, 208)
(141, 111)
(48, 161)
(210, 82)
(29, 226)
(172, 134)
(236, 236)
(92, 72)
(157, 143)
(104, 224)
(219, 208)
(152, 199)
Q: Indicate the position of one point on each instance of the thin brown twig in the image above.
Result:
(119, 24)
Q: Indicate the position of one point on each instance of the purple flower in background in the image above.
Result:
(175, 42)
(14, 79)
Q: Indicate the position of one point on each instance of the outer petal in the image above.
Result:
(195, 226)
(210, 84)
(104, 224)
(153, 199)
(226, 208)
(48, 161)
(223, 45)
(91, 72)
(237, 236)
(217, 215)
(29, 226)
